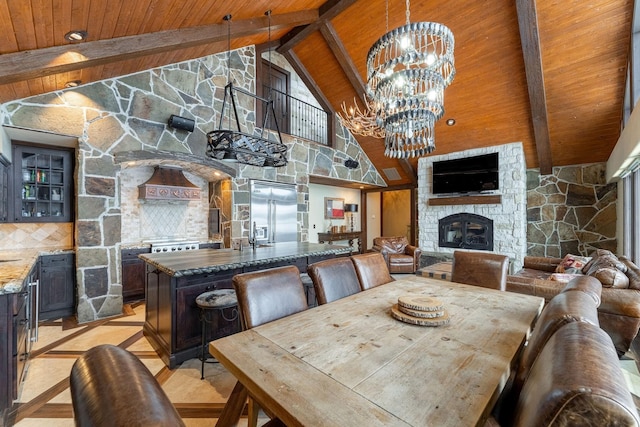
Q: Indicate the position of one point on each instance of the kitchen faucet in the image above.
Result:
(252, 240)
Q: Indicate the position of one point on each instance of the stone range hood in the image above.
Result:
(168, 183)
(210, 169)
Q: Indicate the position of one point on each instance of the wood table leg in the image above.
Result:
(231, 412)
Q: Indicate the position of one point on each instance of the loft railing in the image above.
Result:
(298, 118)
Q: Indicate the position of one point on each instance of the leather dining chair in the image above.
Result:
(371, 269)
(265, 296)
(333, 279)
(484, 269)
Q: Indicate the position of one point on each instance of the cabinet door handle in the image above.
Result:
(36, 285)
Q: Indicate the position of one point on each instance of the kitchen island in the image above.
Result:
(175, 279)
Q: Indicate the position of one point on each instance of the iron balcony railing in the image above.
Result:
(296, 117)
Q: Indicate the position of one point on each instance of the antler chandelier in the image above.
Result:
(408, 69)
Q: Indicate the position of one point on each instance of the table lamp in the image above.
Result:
(351, 208)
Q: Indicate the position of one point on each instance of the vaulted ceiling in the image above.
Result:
(561, 94)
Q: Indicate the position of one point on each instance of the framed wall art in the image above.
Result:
(333, 208)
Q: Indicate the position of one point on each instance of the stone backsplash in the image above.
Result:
(36, 235)
(571, 211)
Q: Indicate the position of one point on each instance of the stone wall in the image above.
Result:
(573, 210)
(130, 113)
(509, 216)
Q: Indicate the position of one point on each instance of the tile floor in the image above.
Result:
(45, 398)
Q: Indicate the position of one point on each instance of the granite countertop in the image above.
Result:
(189, 263)
(15, 266)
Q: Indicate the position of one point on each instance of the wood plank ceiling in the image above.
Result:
(561, 95)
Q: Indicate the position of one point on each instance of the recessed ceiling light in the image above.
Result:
(76, 36)
(73, 83)
(451, 122)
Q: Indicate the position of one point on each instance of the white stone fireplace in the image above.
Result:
(506, 207)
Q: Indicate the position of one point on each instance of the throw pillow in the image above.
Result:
(633, 272)
(610, 277)
(604, 257)
(572, 264)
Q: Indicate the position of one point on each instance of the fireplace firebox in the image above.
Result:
(466, 231)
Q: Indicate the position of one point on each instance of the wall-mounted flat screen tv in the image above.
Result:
(466, 175)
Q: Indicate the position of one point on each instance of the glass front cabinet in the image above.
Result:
(43, 184)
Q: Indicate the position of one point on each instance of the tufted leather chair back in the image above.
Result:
(576, 381)
(371, 269)
(333, 279)
(267, 295)
(484, 269)
(112, 387)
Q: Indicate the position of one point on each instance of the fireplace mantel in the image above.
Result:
(488, 199)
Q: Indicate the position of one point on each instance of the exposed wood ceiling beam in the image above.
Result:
(345, 61)
(348, 67)
(528, 23)
(19, 66)
(408, 169)
(328, 11)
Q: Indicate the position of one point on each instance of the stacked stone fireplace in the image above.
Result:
(494, 221)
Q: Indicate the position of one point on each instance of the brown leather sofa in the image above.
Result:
(400, 256)
(575, 381)
(619, 310)
(567, 374)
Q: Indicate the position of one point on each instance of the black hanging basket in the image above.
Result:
(256, 150)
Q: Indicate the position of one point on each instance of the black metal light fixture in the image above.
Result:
(351, 164)
(182, 123)
(238, 146)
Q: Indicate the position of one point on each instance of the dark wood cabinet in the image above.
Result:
(4, 191)
(42, 184)
(212, 245)
(133, 274)
(172, 318)
(15, 344)
(188, 313)
(57, 289)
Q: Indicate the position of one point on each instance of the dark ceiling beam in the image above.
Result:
(408, 169)
(20, 66)
(530, 39)
(327, 11)
(349, 68)
(347, 65)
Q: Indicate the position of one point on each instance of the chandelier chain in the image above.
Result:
(386, 14)
(408, 13)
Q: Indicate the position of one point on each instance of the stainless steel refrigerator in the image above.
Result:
(274, 212)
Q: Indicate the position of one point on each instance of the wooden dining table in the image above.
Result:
(350, 362)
